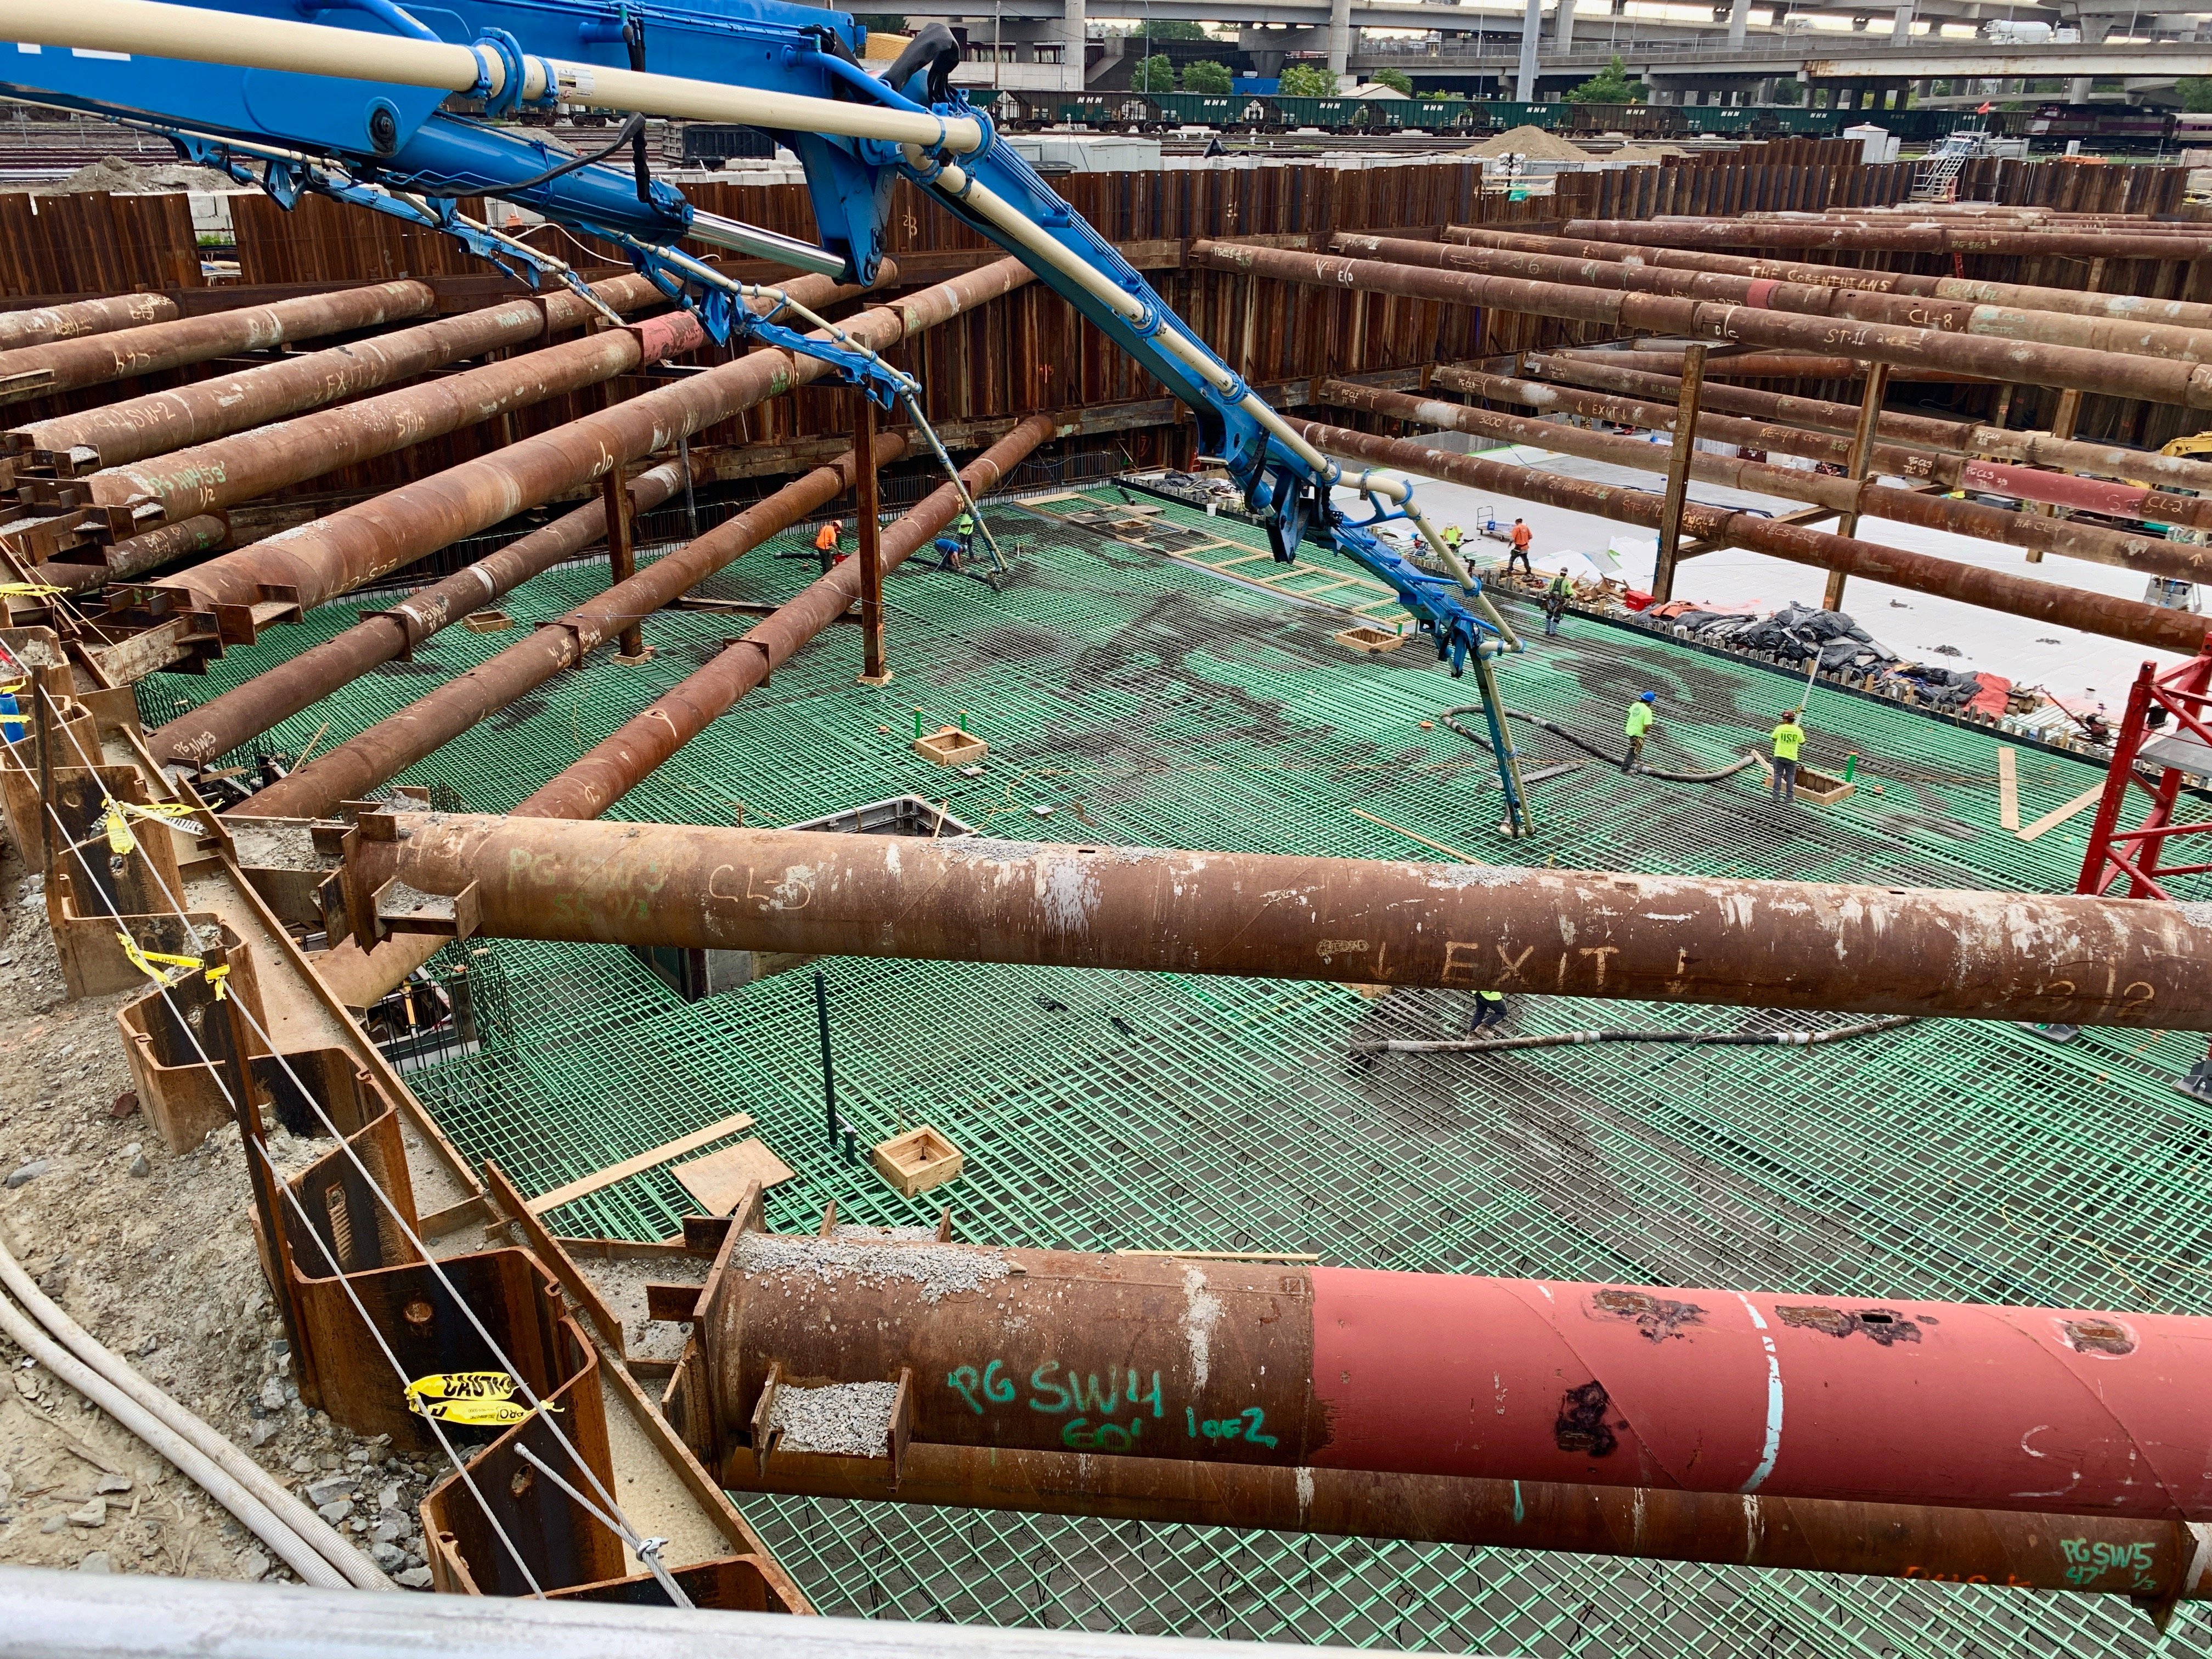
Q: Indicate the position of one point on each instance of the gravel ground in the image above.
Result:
(936, 1270)
(154, 1255)
(850, 1419)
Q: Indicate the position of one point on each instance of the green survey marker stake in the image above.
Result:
(917, 719)
(1850, 767)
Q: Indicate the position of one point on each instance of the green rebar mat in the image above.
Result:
(1143, 701)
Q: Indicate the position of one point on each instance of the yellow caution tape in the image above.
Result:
(35, 589)
(116, 814)
(151, 963)
(477, 1398)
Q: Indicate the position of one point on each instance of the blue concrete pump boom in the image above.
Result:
(403, 110)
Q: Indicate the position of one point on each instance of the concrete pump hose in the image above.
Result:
(302, 1539)
(1591, 749)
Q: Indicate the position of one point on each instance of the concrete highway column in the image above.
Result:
(1532, 24)
(1901, 25)
(1739, 16)
(1562, 27)
(1071, 37)
(1339, 36)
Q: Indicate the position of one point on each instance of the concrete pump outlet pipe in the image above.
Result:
(2181, 313)
(2141, 339)
(116, 434)
(1665, 939)
(2111, 374)
(144, 28)
(2178, 631)
(95, 359)
(1722, 1391)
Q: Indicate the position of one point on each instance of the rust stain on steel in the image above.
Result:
(618, 765)
(1149, 1359)
(327, 557)
(1781, 944)
(134, 555)
(93, 359)
(244, 711)
(2181, 313)
(2151, 1560)
(1890, 239)
(1658, 1317)
(2112, 374)
(349, 771)
(2095, 543)
(79, 317)
(2105, 1336)
(2071, 607)
(1880, 1325)
(2134, 338)
(120, 433)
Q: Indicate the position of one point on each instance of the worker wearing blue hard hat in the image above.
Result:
(1640, 713)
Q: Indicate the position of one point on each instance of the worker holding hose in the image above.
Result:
(1640, 715)
(1789, 739)
(1555, 602)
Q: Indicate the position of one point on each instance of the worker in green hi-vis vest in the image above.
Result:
(1639, 727)
(1789, 739)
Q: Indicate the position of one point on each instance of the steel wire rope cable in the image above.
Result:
(651, 1557)
(163, 985)
(311, 1528)
(1590, 749)
(1568, 1039)
(537, 1407)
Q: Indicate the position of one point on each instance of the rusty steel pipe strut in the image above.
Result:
(81, 317)
(371, 757)
(2183, 313)
(1782, 366)
(2096, 543)
(2155, 1563)
(245, 711)
(1628, 374)
(1665, 939)
(1865, 497)
(1993, 590)
(95, 359)
(1849, 1399)
(227, 471)
(356, 768)
(1888, 239)
(2111, 373)
(116, 434)
(618, 763)
(318, 561)
(135, 556)
(1957, 317)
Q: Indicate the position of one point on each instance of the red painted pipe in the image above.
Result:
(1434, 1374)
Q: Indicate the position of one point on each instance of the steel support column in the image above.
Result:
(1855, 469)
(872, 672)
(1683, 446)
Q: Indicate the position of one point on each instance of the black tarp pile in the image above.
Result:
(1793, 634)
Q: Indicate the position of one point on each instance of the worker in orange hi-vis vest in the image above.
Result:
(1522, 536)
(826, 540)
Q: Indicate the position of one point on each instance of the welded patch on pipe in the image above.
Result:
(1202, 1311)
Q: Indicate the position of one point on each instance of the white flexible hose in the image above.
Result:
(307, 1543)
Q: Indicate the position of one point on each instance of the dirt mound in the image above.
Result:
(1646, 152)
(1533, 142)
(121, 178)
